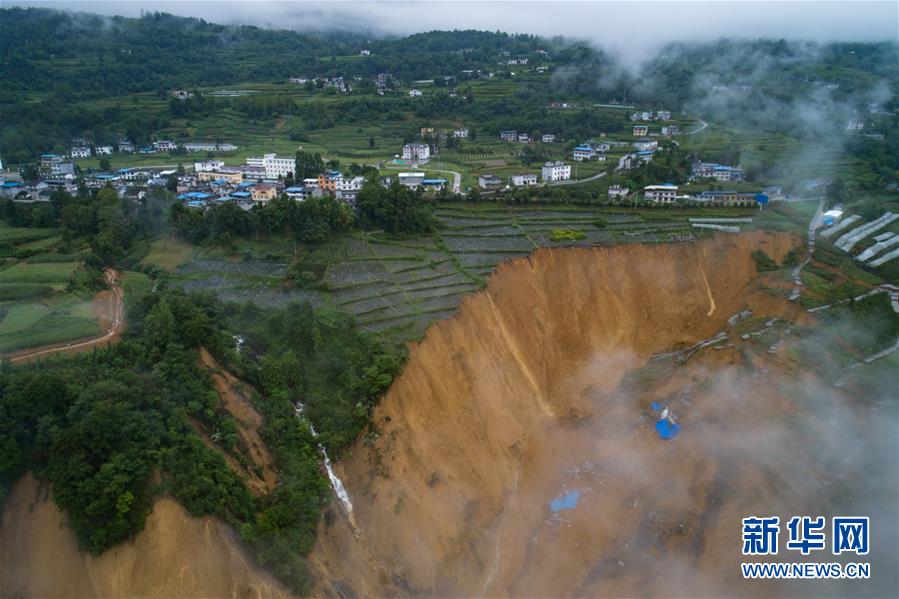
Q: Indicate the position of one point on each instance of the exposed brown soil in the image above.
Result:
(541, 385)
(109, 309)
(176, 555)
(235, 395)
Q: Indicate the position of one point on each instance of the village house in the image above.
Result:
(428, 131)
(641, 130)
(461, 133)
(414, 93)
(297, 193)
(584, 152)
(164, 145)
(548, 138)
(411, 180)
(434, 184)
(181, 94)
(663, 115)
(556, 171)
(489, 182)
(208, 166)
(365, 52)
(523, 138)
(648, 144)
(209, 147)
(416, 152)
(273, 166)
(263, 193)
(299, 80)
(126, 147)
(523, 180)
(670, 130)
(328, 181)
(641, 116)
(730, 198)
(80, 152)
(718, 172)
(509, 135)
(103, 150)
(347, 189)
(618, 192)
(660, 194)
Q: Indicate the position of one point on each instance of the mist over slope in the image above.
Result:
(542, 386)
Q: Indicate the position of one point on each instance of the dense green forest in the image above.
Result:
(111, 429)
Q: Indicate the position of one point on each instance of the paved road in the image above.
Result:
(118, 324)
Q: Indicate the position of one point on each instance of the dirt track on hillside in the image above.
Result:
(109, 308)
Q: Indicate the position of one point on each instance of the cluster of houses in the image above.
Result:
(659, 115)
(716, 172)
(523, 138)
(554, 171)
(643, 130)
(667, 193)
(81, 149)
(420, 153)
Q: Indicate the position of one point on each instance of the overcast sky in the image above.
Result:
(616, 25)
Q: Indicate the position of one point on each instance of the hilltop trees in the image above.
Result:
(396, 209)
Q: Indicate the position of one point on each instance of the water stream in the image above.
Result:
(336, 483)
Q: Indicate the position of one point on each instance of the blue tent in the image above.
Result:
(667, 430)
(568, 501)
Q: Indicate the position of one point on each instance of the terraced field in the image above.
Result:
(400, 286)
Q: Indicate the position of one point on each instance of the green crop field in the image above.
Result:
(35, 308)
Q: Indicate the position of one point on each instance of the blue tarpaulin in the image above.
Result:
(667, 430)
(568, 501)
(656, 406)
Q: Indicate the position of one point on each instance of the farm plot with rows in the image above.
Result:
(401, 285)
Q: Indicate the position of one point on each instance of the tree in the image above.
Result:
(104, 164)
(396, 209)
(308, 165)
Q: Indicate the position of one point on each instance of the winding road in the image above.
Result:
(117, 325)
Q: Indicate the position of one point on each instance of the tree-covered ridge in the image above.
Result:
(112, 430)
(42, 50)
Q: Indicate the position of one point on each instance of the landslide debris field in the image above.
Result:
(403, 286)
(540, 390)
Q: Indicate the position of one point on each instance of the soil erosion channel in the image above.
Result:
(540, 388)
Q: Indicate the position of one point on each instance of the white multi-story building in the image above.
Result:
(660, 194)
(209, 147)
(273, 165)
(164, 145)
(556, 171)
(208, 166)
(416, 152)
(618, 192)
(647, 144)
(81, 152)
(523, 180)
(104, 150)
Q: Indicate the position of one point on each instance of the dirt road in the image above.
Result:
(114, 321)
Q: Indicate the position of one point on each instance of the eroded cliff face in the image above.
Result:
(176, 555)
(541, 384)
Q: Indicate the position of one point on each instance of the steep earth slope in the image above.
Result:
(542, 385)
(176, 555)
